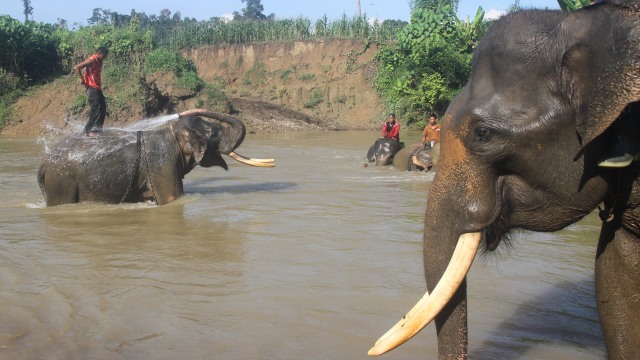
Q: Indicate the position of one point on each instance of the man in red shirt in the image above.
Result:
(391, 128)
(91, 79)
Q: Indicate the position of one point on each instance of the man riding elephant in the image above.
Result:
(122, 166)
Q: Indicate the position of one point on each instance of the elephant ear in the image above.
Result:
(600, 72)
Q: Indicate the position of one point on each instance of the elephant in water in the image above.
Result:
(124, 166)
(546, 98)
(383, 151)
(414, 157)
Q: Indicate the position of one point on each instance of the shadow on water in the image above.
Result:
(565, 315)
(202, 186)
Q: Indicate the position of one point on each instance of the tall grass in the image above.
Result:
(194, 34)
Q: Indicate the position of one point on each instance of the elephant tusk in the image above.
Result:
(429, 306)
(252, 162)
(246, 158)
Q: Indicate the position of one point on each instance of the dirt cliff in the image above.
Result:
(272, 87)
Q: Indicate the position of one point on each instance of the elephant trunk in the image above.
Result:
(236, 129)
(447, 303)
(464, 205)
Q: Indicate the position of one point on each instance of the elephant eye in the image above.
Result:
(482, 133)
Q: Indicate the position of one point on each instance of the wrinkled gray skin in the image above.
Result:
(416, 158)
(520, 146)
(383, 151)
(79, 168)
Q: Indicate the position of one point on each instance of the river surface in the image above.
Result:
(313, 259)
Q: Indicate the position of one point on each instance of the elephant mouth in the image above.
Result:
(495, 234)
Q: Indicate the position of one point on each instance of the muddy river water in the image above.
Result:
(313, 259)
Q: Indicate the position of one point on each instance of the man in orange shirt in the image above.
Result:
(431, 133)
(91, 79)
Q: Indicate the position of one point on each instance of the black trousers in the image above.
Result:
(98, 110)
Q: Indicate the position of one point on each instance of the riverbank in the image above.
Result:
(273, 88)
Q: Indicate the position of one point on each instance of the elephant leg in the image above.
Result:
(617, 275)
(61, 191)
(164, 185)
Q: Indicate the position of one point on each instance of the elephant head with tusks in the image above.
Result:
(548, 94)
(124, 166)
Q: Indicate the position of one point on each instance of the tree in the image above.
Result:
(434, 5)
(253, 11)
(28, 9)
(429, 63)
(165, 15)
(100, 17)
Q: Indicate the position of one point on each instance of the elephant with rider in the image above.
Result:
(416, 157)
(520, 149)
(125, 166)
(383, 151)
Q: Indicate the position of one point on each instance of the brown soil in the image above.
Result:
(274, 87)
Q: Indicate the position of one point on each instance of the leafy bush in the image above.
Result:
(307, 77)
(169, 61)
(429, 64)
(78, 103)
(317, 97)
(28, 50)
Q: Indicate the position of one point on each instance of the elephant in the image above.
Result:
(520, 148)
(383, 151)
(125, 166)
(415, 157)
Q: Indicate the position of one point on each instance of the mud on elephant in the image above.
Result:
(383, 151)
(415, 157)
(520, 148)
(123, 166)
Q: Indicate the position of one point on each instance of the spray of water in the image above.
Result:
(54, 133)
(151, 123)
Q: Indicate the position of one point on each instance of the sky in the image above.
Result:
(78, 11)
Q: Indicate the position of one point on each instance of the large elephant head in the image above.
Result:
(519, 149)
(202, 142)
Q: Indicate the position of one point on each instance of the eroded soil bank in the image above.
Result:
(272, 87)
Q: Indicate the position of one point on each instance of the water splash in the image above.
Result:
(40, 204)
(147, 124)
(54, 134)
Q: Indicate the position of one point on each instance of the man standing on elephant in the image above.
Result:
(91, 79)
(391, 128)
(431, 133)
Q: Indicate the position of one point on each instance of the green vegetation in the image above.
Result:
(317, 97)
(184, 69)
(421, 64)
(570, 5)
(429, 63)
(256, 75)
(307, 77)
(285, 75)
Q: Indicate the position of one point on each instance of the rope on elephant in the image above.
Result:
(136, 167)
